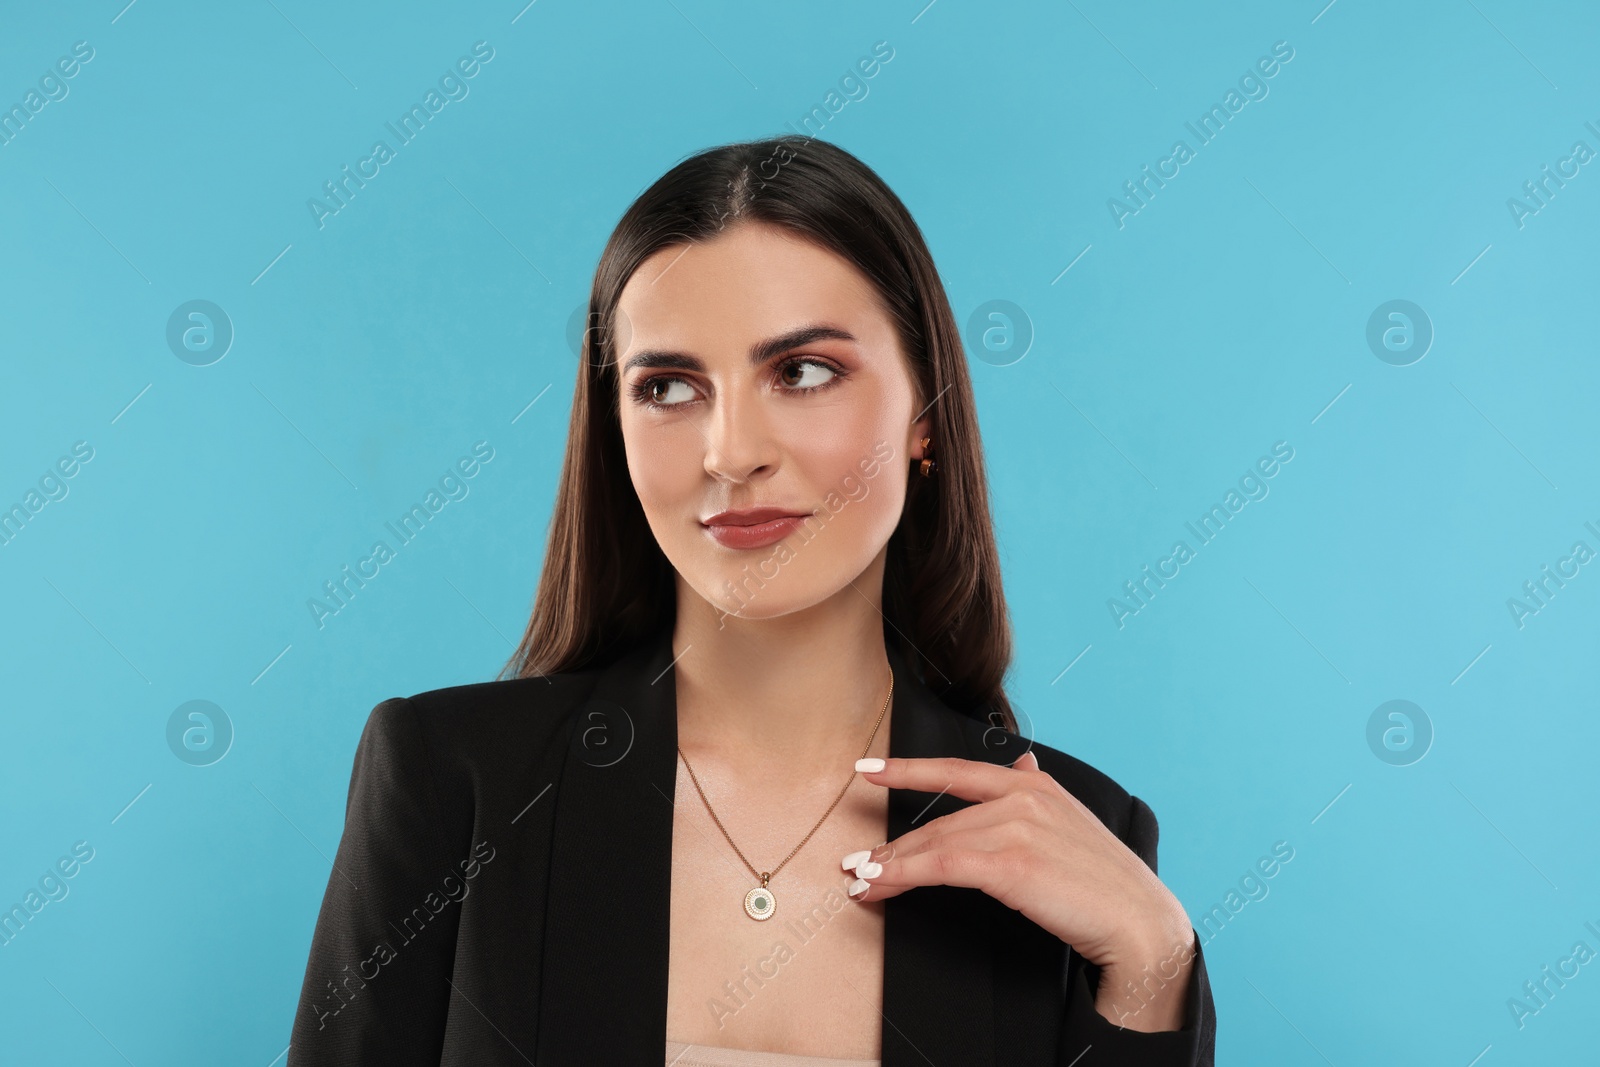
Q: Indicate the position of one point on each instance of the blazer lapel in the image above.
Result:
(938, 963)
(607, 910)
(608, 905)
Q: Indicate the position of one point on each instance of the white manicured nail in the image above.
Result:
(868, 869)
(871, 763)
(855, 859)
(859, 886)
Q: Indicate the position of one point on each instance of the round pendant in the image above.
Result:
(759, 903)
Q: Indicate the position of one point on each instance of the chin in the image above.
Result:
(762, 588)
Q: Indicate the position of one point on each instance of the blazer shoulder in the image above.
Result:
(1113, 804)
(485, 723)
(1083, 780)
(532, 694)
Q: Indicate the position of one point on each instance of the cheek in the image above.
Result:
(666, 470)
(860, 496)
(847, 452)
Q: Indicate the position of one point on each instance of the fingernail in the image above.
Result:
(872, 763)
(859, 886)
(868, 869)
(855, 859)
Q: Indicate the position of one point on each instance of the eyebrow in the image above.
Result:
(760, 352)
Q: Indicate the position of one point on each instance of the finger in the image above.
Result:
(971, 817)
(997, 835)
(970, 859)
(1028, 762)
(967, 779)
(868, 861)
(864, 892)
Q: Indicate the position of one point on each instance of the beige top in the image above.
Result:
(680, 1054)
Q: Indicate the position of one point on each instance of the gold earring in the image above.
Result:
(928, 465)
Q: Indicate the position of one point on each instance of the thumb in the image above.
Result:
(1028, 762)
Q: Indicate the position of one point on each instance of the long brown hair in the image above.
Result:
(606, 583)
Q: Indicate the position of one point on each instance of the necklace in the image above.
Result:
(759, 903)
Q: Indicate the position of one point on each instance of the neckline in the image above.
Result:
(727, 1056)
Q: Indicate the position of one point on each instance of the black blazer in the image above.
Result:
(500, 894)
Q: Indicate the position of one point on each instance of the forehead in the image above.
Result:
(753, 279)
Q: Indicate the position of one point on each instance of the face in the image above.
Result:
(760, 371)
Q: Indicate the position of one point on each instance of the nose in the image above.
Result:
(739, 442)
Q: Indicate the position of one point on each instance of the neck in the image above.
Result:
(787, 699)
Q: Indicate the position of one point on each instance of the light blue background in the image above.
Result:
(429, 313)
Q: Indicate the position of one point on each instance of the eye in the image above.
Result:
(806, 381)
(658, 392)
(801, 375)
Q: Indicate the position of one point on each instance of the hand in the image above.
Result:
(1033, 846)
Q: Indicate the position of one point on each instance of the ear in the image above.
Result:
(923, 427)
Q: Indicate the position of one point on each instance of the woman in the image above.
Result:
(770, 558)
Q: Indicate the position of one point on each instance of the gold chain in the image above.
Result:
(765, 876)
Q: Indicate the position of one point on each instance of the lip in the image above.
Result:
(752, 527)
(751, 516)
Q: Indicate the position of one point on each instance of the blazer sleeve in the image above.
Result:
(1089, 1039)
(376, 987)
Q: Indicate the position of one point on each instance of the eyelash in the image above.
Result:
(640, 389)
